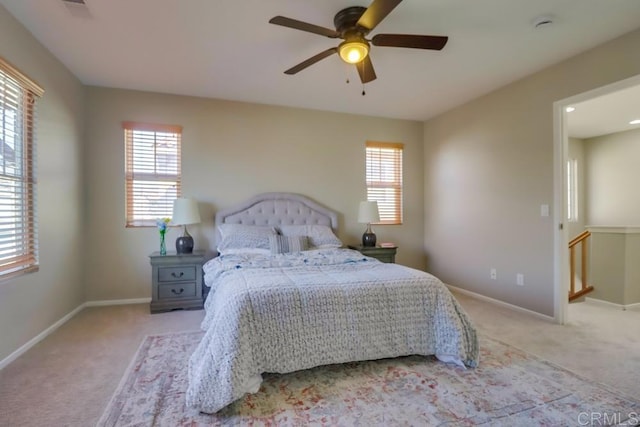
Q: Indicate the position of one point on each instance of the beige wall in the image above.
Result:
(232, 151)
(31, 303)
(615, 270)
(489, 167)
(472, 193)
(612, 179)
(608, 261)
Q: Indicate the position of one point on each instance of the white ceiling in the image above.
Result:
(605, 114)
(228, 50)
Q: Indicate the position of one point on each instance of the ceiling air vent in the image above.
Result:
(77, 8)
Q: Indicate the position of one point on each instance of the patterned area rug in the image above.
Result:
(509, 388)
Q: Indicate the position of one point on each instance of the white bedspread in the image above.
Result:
(290, 312)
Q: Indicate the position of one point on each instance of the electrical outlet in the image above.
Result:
(493, 274)
(520, 279)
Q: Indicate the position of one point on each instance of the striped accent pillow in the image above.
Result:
(287, 244)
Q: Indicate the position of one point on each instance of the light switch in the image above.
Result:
(544, 210)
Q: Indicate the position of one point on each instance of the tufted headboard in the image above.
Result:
(278, 209)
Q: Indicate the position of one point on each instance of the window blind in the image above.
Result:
(152, 171)
(384, 179)
(18, 227)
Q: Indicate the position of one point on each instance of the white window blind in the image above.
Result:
(18, 228)
(384, 179)
(152, 171)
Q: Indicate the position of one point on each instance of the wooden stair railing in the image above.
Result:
(580, 239)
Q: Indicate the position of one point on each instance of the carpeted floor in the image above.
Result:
(69, 378)
(510, 387)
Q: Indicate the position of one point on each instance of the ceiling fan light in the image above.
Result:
(354, 51)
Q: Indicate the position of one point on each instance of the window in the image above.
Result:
(152, 170)
(18, 228)
(572, 190)
(384, 179)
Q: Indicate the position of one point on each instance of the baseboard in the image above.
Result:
(102, 303)
(501, 303)
(595, 301)
(42, 335)
(633, 307)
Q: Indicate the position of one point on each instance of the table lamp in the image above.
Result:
(185, 211)
(367, 214)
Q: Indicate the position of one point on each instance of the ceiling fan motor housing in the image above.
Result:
(345, 21)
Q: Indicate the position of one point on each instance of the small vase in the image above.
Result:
(163, 246)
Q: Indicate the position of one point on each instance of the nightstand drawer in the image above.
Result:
(173, 274)
(177, 281)
(381, 253)
(177, 290)
(388, 258)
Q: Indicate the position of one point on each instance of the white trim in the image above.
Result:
(560, 144)
(633, 307)
(500, 303)
(560, 231)
(613, 229)
(603, 303)
(42, 335)
(102, 303)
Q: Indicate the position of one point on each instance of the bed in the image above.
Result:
(286, 296)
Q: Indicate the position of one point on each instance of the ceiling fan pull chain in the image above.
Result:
(363, 92)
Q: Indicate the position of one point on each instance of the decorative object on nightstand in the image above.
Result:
(185, 211)
(177, 281)
(368, 213)
(385, 253)
(162, 224)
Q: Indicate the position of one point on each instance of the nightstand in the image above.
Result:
(386, 254)
(177, 281)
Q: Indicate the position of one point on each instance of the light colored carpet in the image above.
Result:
(510, 387)
(68, 378)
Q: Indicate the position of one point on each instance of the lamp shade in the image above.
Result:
(185, 211)
(368, 212)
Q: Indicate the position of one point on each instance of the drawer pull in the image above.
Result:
(177, 292)
(177, 276)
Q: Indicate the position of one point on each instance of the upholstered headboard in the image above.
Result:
(278, 209)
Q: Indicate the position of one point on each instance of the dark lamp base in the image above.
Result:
(368, 240)
(184, 245)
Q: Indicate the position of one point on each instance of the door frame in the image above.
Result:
(560, 156)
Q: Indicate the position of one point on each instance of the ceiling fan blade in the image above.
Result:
(304, 26)
(366, 71)
(376, 12)
(411, 41)
(304, 64)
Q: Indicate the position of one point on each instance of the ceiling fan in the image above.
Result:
(352, 26)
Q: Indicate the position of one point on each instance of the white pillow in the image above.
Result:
(288, 244)
(320, 236)
(241, 238)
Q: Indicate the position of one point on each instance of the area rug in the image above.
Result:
(509, 388)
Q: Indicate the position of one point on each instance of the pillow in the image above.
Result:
(288, 244)
(320, 236)
(236, 238)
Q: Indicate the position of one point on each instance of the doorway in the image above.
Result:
(561, 157)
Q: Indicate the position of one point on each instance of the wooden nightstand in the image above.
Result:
(386, 254)
(177, 281)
